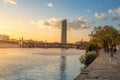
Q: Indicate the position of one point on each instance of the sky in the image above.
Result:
(41, 19)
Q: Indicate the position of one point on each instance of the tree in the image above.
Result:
(91, 47)
(105, 36)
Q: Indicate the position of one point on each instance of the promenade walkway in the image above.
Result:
(104, 67)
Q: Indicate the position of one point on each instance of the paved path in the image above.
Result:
(104, 67)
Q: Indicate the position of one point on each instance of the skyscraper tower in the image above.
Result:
(64, 32)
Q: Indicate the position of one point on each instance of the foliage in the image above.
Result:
(81, 44)
(88, 58)
(91, 47)
(105, 36)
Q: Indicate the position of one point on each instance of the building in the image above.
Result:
(64, 32)
(4, 38)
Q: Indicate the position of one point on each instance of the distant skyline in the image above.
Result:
(41, 19)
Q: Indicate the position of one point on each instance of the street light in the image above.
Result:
(118, 47)
(119, 27)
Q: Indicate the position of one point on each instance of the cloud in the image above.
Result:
(10, 1)
(110, 11)
(101, 16)
(77, 25)
(48, 24)
(55, 23)
(116, 17)
(118, 11)
(115, 13)
(82, 19)
(50, 4)
(88, 10)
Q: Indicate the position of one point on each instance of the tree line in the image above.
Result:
(103, 37)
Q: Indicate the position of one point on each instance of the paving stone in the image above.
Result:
(103, 67)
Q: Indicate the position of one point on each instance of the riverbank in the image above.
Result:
(103, 67)
(9, 45)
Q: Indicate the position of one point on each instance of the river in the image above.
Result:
(39, 64)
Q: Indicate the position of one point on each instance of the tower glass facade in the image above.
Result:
(64, 32)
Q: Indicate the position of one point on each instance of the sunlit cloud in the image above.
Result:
(10, 1)
(82, 19)
(50, 23)
(55, 23)
(101, 16)
(115, 13)
(77, 25)
(50, 4)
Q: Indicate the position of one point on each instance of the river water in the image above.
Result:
(39, 64)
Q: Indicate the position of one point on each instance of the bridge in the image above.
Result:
(25, 44)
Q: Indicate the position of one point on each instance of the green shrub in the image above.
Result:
(88, 58)
(91, 47)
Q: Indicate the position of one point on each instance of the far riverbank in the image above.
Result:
(9, 45)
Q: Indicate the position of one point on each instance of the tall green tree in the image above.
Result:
(105, 36)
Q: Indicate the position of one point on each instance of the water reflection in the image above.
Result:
(63, 68)
(63, 65)
(45, 64)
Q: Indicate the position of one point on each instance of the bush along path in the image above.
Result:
(88, 58)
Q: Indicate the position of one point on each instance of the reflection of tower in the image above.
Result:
(63, 66)
(64, 32)
(21, 42)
